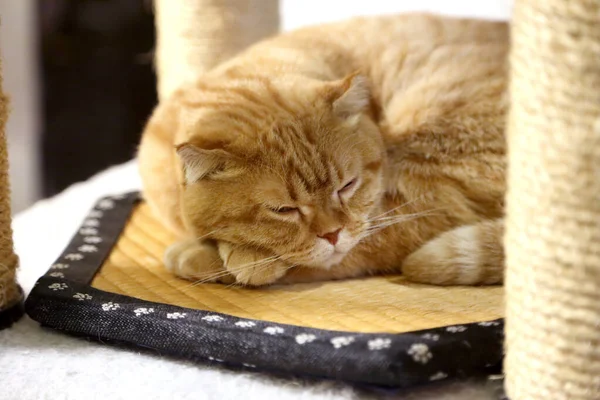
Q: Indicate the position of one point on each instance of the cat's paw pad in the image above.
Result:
(196, 261)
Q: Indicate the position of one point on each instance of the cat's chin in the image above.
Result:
(326, 262)
(332, 260)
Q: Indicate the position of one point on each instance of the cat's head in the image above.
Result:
(296, 169)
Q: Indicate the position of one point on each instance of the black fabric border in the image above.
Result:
(62, 299)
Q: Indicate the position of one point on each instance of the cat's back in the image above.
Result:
(367, 38)
(393, 50)
(387, 30)
(421, 67)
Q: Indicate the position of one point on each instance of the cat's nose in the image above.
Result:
(331, 237)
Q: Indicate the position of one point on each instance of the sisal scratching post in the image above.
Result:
(10, 295)
(195, 35)
(553, 205)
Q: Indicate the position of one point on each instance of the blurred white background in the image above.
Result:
(296, 13)
(18, 48)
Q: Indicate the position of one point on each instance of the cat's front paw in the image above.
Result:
(251, 267)
(196, 261)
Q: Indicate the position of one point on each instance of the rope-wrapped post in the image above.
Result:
(553, 203)
(193, 36)
(10, 294)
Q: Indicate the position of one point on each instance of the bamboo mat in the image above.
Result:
(375, 304)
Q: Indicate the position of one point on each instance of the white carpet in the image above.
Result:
(37, 363)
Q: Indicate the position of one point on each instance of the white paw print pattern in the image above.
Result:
(87, 248)
(431, 336)
(274, 330)
(143, 311)
(420, 353)
(341, 341)
(305, 338)
(59, 266)
(88, 231)
(438, 376)
(379, 344)
(57, 275)
(176, 315)
(489, 323)
(92, 239)
(213, 318)
(82, 296)
(74, 257)
(245, 324)
(95, 214)
(106, 204)
(456, 329)
(91, 223)
(58, 286)
(110, 306)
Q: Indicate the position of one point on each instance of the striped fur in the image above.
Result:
(338, 151)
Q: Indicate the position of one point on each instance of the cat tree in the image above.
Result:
(553, 212)
(195, 35)
(553, 204)
(10, 294)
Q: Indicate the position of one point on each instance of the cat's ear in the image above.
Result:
(199, 163)
(349, 96)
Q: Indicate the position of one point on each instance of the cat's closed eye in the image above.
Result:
(285, 210)
(347, 189)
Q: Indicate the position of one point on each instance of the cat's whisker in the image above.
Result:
(255, 264)
(396, 208)
(225, 272)
(402, 216)
(258, 264)
(394, 221)
(211, 278)
(300, 257)
(389, 221)
(206, 279)
(381, 227)
(258, 270)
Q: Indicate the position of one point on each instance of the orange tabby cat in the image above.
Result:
(364, 147)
